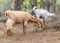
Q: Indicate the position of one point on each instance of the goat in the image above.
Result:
(20, 16)
(42, 13)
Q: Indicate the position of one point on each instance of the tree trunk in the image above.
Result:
(35, 2)
(17, 4)
(48, 4)
(31, 3)
(41, 3)
(54, 5)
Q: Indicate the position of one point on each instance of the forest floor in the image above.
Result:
(49, 35)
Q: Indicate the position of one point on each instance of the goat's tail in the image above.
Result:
(7, 11)
(34, 8)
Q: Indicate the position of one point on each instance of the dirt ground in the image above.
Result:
(49, 35)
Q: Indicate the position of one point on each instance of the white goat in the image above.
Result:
(20, 16)
(42, 13)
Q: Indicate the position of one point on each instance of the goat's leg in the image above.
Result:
(44, 18)
(8, 33)
(24, 27)
(44, 22)
(9, 25)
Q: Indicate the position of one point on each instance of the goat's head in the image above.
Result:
(40, 23)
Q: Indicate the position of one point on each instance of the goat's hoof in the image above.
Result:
(8, 33)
